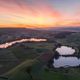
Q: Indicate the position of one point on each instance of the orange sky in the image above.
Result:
(36, 14)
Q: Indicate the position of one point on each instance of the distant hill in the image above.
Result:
(10, 34)
(72, 29)
(38, 30)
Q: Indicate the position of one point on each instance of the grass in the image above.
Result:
(19, 67)
(58, 75)
(20, 72)
(38, 71)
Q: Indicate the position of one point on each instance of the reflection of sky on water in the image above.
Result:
(5, 45)
(66, 62)
(64, 50)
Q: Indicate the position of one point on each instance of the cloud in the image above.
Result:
(30, 12)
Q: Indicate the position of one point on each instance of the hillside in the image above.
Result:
(30, 60)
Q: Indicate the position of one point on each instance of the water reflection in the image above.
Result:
(66, 62)
(64, 57)
(5, 45)
(64, 50)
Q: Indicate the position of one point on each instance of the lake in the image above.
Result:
(66, 62)
(65, 58)
(65, 50)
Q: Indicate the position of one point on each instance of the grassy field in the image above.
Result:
(33, 61)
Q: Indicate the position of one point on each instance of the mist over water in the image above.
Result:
(8, 44)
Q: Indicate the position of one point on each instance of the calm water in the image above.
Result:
(66, 62)
(63, 61)
(64, 50)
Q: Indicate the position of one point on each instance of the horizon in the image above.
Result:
(39, 27)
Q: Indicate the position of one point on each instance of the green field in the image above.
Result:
(31, 59)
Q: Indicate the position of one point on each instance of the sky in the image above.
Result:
(39, 13)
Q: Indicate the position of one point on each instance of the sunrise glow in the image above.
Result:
(39, 13)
